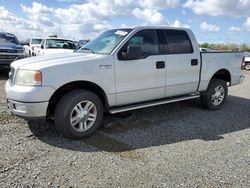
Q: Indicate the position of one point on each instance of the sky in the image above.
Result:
(212, 21)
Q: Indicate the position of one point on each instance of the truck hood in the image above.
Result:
(55, 51)
(35, 45)
(4, 46)
(39, 62)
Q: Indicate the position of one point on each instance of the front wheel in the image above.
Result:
(215, 95)
(78, 114)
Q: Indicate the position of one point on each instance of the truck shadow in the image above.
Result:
(4, 74)
(161, 125)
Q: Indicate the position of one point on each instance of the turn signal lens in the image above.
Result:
(38, 77)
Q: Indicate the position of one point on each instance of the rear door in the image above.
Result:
(182, 64)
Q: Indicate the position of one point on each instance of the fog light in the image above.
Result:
(20, 108)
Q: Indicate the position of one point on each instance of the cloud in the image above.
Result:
(234, 29)
(219, 8)
(45, 21)
(67, 1)
(177, 23)
(84, 19)
(158, 4)
(150, 11)
(37, 8)
(11, 23)
(209, 27)
(151, 16)
(6, 16)
(247, 24)
(39, 14)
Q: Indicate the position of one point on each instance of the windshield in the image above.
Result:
(60, 44)
(106, 42)
(36, 41)
(8, 39)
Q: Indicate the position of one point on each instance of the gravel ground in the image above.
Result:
(174, 145)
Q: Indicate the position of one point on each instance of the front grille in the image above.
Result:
(8, 57)
(8, 51)
(11, 75)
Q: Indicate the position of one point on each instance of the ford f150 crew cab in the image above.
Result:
(120, 70)
(10, 50)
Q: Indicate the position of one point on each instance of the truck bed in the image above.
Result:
(221, 60)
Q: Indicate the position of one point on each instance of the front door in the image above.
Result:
(143, 78)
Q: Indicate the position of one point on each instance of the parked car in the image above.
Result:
(53, 45)
(10, 49)
(25, 47)
(120, 70)
(33, 44)
(83, 42)
(247, 62)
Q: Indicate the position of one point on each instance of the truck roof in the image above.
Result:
(36, 38)
(57, 38)
(6, 33)
(158, 27)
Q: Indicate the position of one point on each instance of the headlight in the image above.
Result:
(28, 78)
(21, 52)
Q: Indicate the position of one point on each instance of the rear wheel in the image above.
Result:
(78, 114)
(215, 95)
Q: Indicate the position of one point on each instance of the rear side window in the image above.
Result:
(178, 42)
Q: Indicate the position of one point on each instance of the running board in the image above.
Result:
(154, 103)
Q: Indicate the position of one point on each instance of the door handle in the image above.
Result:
(160, 64)
(194, 62)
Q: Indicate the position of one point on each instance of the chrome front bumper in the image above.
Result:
(28, 110)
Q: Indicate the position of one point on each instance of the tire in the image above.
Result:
(247, 66)
(215, 95)
(78, 114)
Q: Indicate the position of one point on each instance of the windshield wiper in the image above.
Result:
(87, 49)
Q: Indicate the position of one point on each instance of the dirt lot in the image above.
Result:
(175, 145)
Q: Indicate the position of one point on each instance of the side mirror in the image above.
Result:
(41, 46)
(133, 52)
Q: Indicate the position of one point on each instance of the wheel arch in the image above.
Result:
(66, 88)
(222, 74)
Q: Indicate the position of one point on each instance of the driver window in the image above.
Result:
(147, 41)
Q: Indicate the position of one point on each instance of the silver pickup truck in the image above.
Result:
(121, 70)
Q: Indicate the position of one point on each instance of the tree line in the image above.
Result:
(226, 47)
